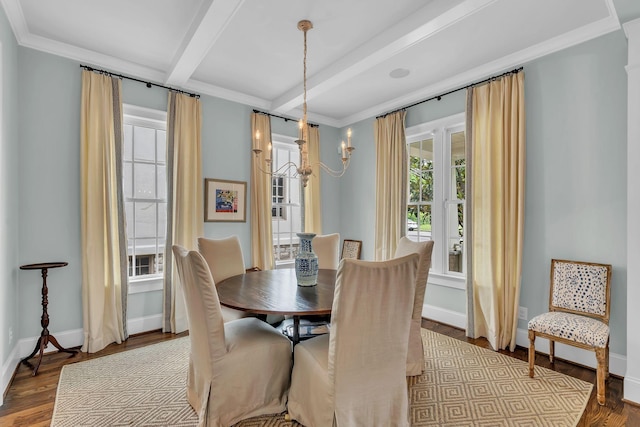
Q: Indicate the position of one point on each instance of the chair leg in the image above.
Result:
(606, 372)
(601, 357)
(552, 350)
(532, 352)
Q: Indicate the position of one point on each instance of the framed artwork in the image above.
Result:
(225, 201)
(351, 249)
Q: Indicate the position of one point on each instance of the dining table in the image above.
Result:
(265, 292)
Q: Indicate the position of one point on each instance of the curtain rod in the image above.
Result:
(286, 119)
(439, 97)
(149, 84)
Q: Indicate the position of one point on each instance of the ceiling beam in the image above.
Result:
(209, 23)
(426, 22)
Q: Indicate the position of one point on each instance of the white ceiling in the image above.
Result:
(250, 51)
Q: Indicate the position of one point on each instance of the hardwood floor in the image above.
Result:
(29, 400)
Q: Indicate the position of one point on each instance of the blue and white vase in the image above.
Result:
(306, 261)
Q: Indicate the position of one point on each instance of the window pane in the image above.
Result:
(145, 220)
(162, 182)
(161, 138)
(425, 220)
(127, 179)
(145, 181)
(144, 144)
(426, 186)
(162, 222)
(457, 165)
(128, 207)
(455, 231)
(128, 142)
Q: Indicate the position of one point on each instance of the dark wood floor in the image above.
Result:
(29, 400)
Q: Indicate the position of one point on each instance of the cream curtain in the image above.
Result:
(497, 207)
(312, 207)
(261, 237)
(104, 250)
(185, 210)
(391, 183)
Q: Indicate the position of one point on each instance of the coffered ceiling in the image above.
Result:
(250, 51)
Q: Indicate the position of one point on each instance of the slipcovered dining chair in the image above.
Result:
(355, 375)
(415, 355)
(224, 258)
(579, 306)
(327, 248)
(237, 370)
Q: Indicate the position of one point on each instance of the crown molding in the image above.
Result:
(16, 19)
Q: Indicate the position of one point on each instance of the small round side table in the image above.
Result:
(45, 337)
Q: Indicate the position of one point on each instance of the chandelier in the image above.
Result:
(304, 170)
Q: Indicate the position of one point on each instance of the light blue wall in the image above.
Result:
(575, 203)
(576, 178)
(8, 190)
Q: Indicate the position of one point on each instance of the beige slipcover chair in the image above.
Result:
(327, 248)
(237, 370)
(224, 258)
(415, 356)
(355, 375)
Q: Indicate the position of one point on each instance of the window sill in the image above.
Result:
(146, 284)
(447, 280)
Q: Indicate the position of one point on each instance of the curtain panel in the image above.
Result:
(261, 233)
(497, 117)
(391, 183)
(185, 206)
(312, 206)
(104, 243)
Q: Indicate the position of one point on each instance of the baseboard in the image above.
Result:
(8, 368)
(632, 390)
(144, 324)
(442, 315)
(67, 339)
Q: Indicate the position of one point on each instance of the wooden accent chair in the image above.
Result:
(238, 369)
(415, 356)
(327, 248)
(224, 258)
(355, 375)
(579, 305)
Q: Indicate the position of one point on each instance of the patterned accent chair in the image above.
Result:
(579, 305)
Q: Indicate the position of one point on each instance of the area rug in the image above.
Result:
(463, 385)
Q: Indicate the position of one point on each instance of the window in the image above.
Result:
(436, 184)
(278, 190)
(145, 191)
(286, 210)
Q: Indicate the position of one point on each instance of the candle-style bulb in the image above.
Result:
(349, 137)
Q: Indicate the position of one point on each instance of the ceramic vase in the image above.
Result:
(306, 261)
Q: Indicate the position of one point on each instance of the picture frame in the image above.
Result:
(225, 200)
(351, 249)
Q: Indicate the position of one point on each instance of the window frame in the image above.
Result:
(440, 130)
(157, 119)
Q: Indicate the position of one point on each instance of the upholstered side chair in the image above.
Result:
(224, 258)
(238, 369)
(355, 375)
(579, 306)
(327, 248)
(415, 355)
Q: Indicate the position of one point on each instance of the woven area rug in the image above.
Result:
(463, 385)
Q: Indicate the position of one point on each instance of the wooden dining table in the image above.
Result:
(277, 292)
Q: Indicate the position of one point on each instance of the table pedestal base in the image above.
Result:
(45, 338)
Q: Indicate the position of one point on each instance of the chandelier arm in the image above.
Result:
(332, 172)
